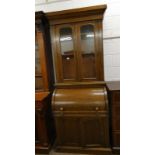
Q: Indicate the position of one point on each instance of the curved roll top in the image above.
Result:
(80, 99)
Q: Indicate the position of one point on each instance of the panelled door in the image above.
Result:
(66, 53)
(86, 132)
(88, 52)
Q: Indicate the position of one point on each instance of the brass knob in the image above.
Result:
(97, 108)
(61, 108)
(67, 58)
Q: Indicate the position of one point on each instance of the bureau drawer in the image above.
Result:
(87, 107)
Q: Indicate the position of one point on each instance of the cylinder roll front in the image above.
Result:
(80, 99)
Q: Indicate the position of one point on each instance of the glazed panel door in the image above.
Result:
(39, 84)
(66, 54)
(41, 75)
(88, 50)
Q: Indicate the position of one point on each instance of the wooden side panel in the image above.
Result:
(116, 138)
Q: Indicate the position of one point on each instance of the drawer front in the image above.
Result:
(116, 139)
(77, 108)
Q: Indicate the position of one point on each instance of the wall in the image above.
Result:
(111, 36)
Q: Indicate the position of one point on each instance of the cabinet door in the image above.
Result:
(65, 53)
(95, 132)
(41, 75)
(68, 131)
(88, 51)
(38, 73)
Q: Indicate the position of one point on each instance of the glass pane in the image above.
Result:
(67, 53)
(37, 59)
(38, 74)
(88, 51)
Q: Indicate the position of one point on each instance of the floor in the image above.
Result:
(56, 153)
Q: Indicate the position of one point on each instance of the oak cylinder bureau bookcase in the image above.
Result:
(44, 128)
(79, 101)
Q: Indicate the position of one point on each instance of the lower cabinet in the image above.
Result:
(94, 131)
(83, 134)
(82, 121)
(44, 126)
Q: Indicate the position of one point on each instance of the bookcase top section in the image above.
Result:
(79, 12)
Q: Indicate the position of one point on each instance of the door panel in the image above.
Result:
(66, 52)
(91, 132)
(87, 50)
(95, 131)
(68, 131)
(39, 84)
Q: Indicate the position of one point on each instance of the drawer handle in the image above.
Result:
(61, 108)
(97, 108)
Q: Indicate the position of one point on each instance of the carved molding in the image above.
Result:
(41, 21)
